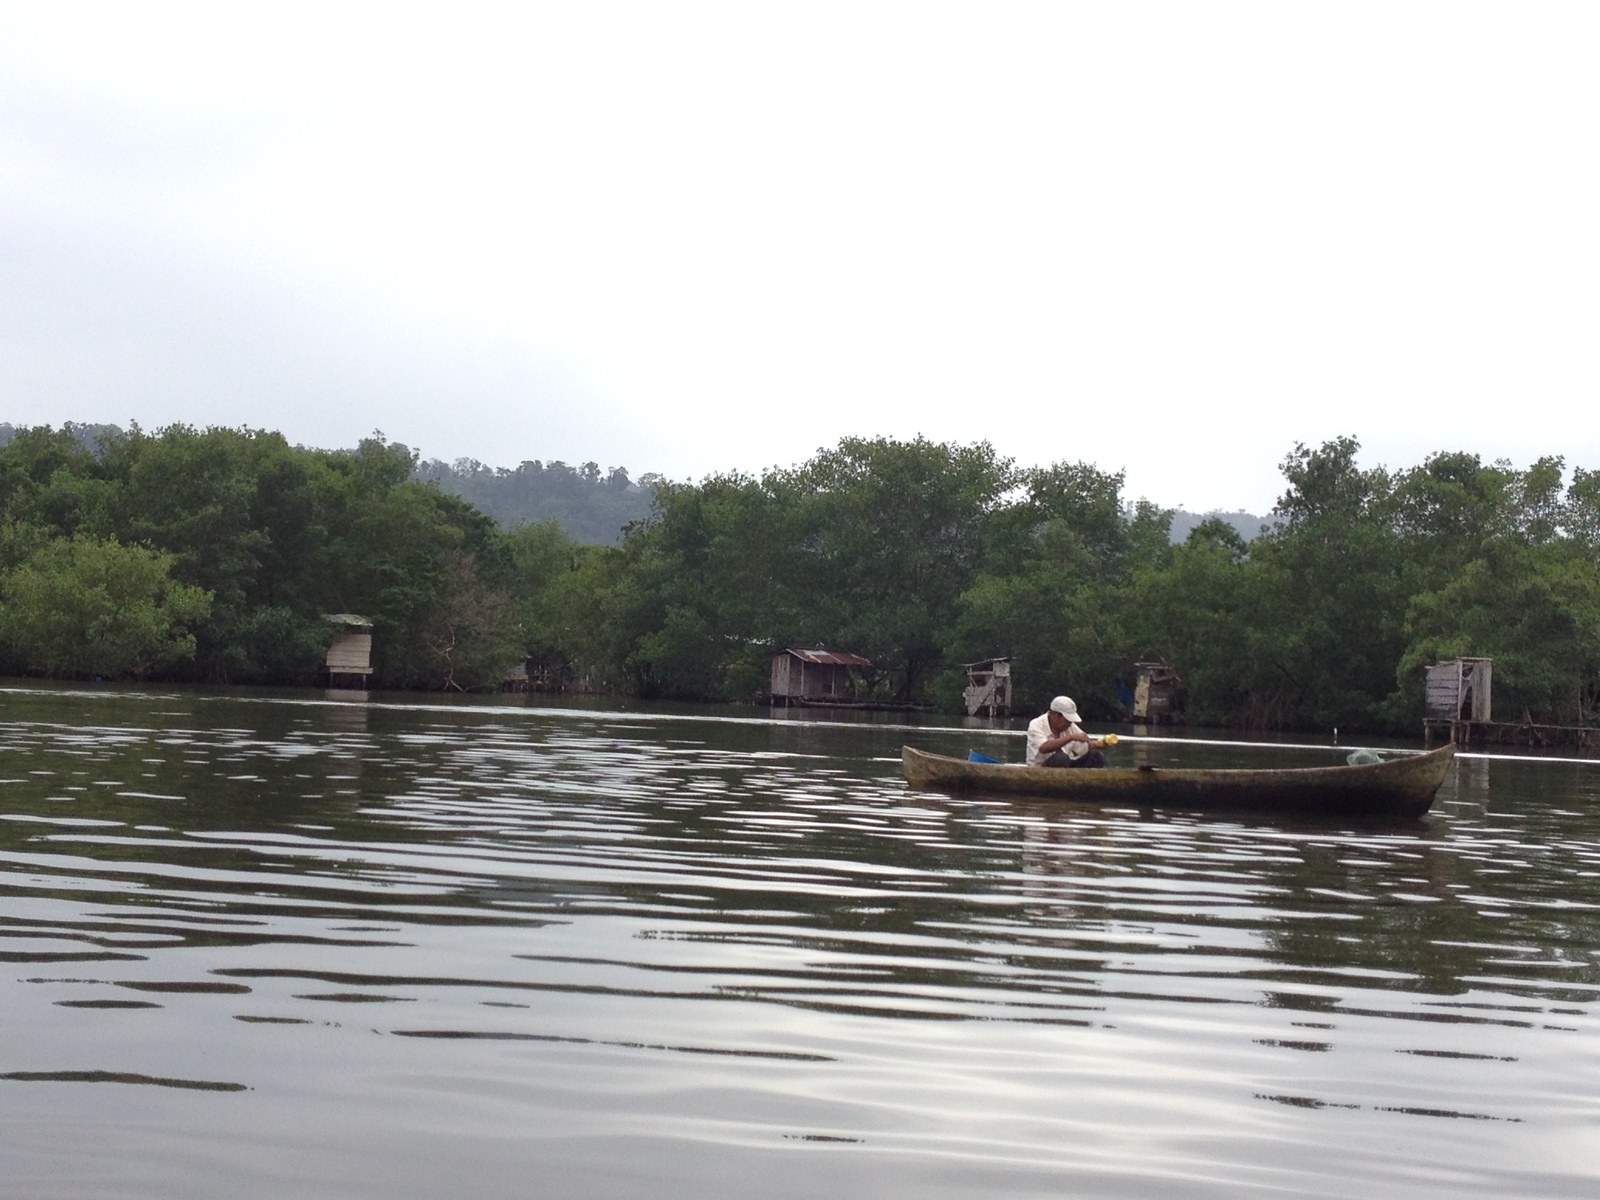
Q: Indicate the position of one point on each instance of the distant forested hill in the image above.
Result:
(1248, 525)
(591, 508)
(93, 438)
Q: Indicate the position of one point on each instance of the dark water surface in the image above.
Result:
(256, 947)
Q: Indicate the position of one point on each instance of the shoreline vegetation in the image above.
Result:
(211, 556)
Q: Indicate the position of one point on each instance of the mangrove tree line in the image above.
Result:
(214, 554)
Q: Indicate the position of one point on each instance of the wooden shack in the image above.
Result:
(988, 687)
(1155, 692)
(349, 660)
(550, 675)
(1456, 696)
(813, 676)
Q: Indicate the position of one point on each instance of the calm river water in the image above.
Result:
(273, 946)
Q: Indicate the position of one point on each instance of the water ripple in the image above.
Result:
(734, 934)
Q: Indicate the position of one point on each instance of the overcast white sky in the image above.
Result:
(1168, 238)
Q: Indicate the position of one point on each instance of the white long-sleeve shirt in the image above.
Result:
(1039, 732)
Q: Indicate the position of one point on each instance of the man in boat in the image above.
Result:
(1054, 739)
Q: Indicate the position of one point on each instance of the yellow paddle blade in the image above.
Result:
(1110, 739)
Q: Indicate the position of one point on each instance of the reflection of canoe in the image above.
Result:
(1401, 787)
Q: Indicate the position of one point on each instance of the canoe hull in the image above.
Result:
(1402, 787)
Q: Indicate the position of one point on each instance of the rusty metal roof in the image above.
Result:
(830, 658)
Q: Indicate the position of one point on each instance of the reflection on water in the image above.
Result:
(363, 948)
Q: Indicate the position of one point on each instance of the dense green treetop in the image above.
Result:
(274, 536)
(85, 607)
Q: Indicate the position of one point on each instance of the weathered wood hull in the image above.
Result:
(1402, 787)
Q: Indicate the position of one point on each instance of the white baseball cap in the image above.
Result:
(1065, 706)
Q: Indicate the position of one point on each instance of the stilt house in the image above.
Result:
(814, 676)
(1155, 692)
(516, 678)
(1457, 690)
(989, 687)
(349, 660)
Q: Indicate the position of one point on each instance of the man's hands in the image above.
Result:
(1051, 745)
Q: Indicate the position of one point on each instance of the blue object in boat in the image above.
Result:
(974, 756)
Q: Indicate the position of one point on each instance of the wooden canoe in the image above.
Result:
(1401, 787)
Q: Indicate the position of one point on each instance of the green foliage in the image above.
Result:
(918, 555)
(890, 536)
(1202, 612)
(865, 547)
(1538, 618)
(81, 607)
(1330, 617)
(923, 556)
(591, 620)
(277, 536)
(1053, 592)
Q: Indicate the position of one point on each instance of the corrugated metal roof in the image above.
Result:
(830, 658)
(350, 620)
